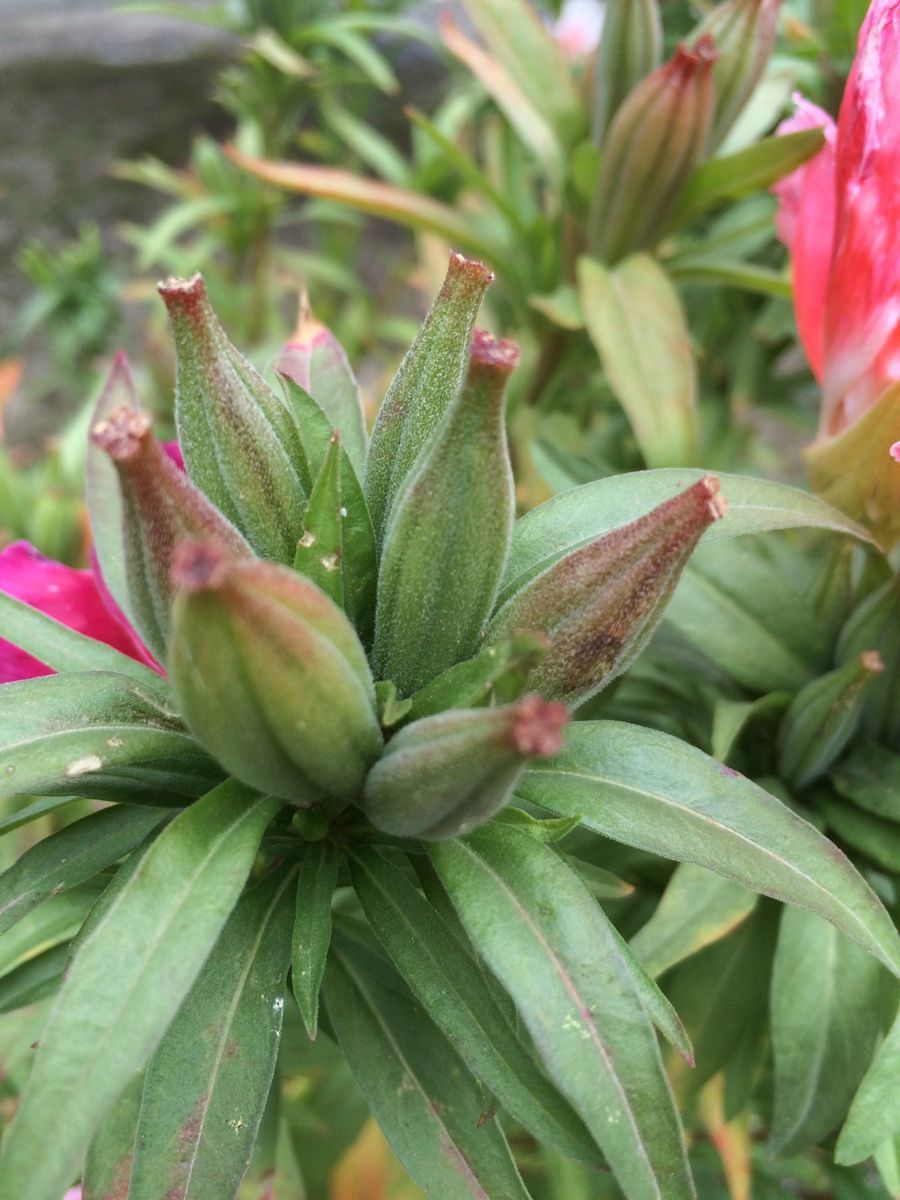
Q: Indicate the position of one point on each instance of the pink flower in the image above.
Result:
(68, 595)
(73, 1194)
(577, 28)
(840, 218)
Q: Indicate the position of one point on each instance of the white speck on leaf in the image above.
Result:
(82, 766)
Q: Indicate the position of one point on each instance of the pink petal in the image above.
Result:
(174, 452)
(895, 452)
(73, 1194)
(805, 223)
(64, 593)
(862, 332)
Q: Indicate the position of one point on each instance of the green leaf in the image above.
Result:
(733, 176)
(57, 920)
(651, 790)
(827, 1006)
(71, 856)
(514, 33)
(696, 909)
(571, 519)
(870, 777)
(107, 1171)
(316, 881)
(878, 839)
(736, 605)
(874, 1115)
(33, 812)
(104, 495)
(61, 728)
(207, 1083)
(511, 97)
(380, 199)
(33, 979)
(449, 985)
(549, 943)
(358, 555)
(726, 272)
(721, 996)
(637, 324)
(731, 718)
(66, 649)
(431, 1110)
(127, 981)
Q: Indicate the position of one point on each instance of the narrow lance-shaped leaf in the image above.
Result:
(104, 498)
(426, 384)
(126, 983)
(160, 507)
(66, 649)
(431, 1110)
(207, 1083)
(827, 1006)
(314, 358)
(874, 1115)
(499, 674)
(71, 856)
(317, 878)
(448, 535)
(573, 518)
(696, 909)
(320, 548)
(35, 978)
(449, 984)
(599, 605)
(636, 322)
(271, 676)
(544, 936)
(651, 790)
(240, 444)
(61, 728)
(359, 555)
(107, 1170)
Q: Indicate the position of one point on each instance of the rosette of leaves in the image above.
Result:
(348, 804)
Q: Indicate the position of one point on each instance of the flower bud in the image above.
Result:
(449, 532)
(629, 49)
(425, 386)
(160, 507)
(444, 775)
(271, 677)
(240, 443)
(653, 144)
(316, 361)
(876, 625)
(743, 32)
(600, 603)
(823, 717)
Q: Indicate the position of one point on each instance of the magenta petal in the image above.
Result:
(64, 593)
(174, 452)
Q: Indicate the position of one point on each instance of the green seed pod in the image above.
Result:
(876, 625)
(160, 507)
(271, 677)
(832, 588)
(444, 775)
(629, 49)
(425, 386)
(653, 144)
(600, 603)
(448, 537)
(823, 717)
(240, 443)
(743, 32)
